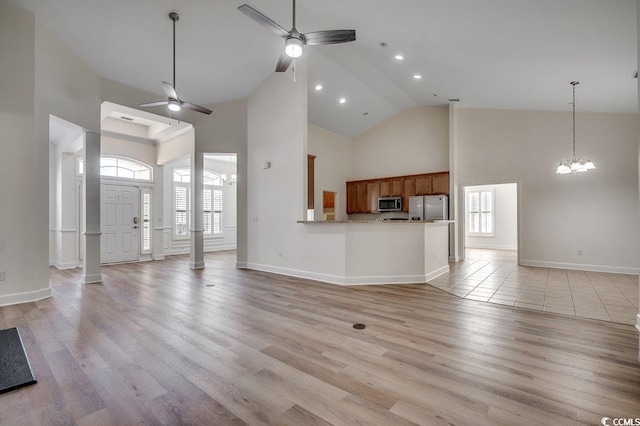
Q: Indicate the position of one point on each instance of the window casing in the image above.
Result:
(212, 198)
(481, 213)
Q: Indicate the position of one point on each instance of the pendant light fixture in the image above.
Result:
(576, 165)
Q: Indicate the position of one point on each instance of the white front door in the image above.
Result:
(120, 222)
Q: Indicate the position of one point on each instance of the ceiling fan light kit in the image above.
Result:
(295, 41)
(575, 165)
(173, 102)
(293, 47)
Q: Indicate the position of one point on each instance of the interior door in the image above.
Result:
(120, 222)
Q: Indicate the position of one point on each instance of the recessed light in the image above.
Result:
(342, 100)
(383, 44)
(399, 57)
(318, 87)
(417, 76)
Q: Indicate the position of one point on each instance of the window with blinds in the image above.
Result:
(146, 221)
(182, 214)
(212, 197)
(480, 220)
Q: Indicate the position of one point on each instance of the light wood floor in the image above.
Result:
(157, 344)
(494, 276)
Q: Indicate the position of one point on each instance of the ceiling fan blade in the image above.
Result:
(152, 104)
(330, 37)
(283, 62)
(195, 107)
(169, 90)
(263, 20)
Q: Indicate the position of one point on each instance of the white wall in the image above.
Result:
(414, 141)
(332, 167)
(277, 133)
(595, 212)
(505, 213)
(17, 153)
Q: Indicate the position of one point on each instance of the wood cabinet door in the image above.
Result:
(423, 185)
(385, 187)
(352, 197)
(409, 191)
(362, 204)
(373, 193)
(397, 187)
(440, 184)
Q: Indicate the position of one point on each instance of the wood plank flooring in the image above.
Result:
(157, 343)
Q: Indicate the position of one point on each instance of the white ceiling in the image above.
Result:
(518, 54)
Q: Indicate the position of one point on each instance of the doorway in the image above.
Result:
(491, 222)
(120, 222)
(329, 205)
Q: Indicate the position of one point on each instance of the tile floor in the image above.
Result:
(494, 276)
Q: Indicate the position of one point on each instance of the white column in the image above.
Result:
(455, 229)
(157, 213)
(197, 231)
(91, 262)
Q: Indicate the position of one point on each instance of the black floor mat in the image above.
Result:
(15, 371)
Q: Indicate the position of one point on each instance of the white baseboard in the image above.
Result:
(66, 265)
(91, 279)
(29, 296)
(159, 257)
(196, 265)
(348, 281)
(638, 322)
(242, 265)
(454, 258)
(580, 267)
(435, 274)
(491, 247)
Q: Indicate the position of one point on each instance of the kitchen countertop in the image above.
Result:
(378, 221)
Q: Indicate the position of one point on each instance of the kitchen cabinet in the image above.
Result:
(373, 193)
(362, 195)
(328, 199)
(357, 197)
(423, 185)
(440, 183)
(397, 186)
(385, 187)
(409, 191)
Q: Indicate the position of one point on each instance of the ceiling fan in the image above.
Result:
(174, 102)
(294, 40)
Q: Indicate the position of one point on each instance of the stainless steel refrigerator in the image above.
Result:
(429, 207)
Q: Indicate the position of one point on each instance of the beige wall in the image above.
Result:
(332, 167)
(594, 212)
(18, 155)
(414, 141)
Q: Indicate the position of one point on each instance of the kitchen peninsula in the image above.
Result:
(361, 252)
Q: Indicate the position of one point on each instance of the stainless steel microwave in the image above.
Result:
(390, 204)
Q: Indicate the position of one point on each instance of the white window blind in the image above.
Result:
(146, 221)
(212, 199)
(480, 207)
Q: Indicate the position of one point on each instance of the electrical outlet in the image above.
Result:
(1, 275)
(280, 254)
(579, 252)
(254, 219)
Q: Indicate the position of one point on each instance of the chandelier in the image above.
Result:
(576, 165)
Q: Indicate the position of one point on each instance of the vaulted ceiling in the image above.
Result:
(509, 54)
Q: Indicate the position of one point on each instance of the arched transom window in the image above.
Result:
(121, 168)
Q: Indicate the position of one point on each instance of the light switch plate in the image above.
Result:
(1, 275)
